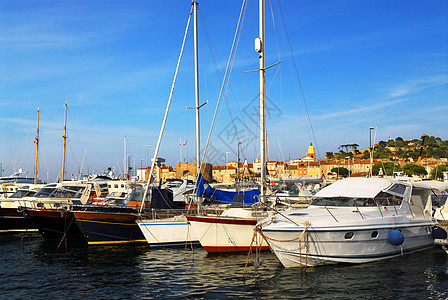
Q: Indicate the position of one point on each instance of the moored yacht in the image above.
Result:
(113, 221)
(49, 209)
(11, 215)
(355, 220)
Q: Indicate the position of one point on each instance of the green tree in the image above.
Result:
(413, 169)
(329, 155)
(437, 172)
(365, 154)
(400, 143)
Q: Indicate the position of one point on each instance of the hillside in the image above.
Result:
(433, 147)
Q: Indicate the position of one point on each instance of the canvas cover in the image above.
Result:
(163, 199)
(356, 188)
(203, 189)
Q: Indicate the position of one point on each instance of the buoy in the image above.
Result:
(395, 237)
(439, 233)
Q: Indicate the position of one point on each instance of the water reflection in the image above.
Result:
(33, 267)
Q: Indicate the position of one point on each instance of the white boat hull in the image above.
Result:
(224, 235)
(173, 232)
(330, 247)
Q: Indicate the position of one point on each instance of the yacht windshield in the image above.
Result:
(289, 188)
(137, 195)
(45, 192)
(117, 198)
(68, 192)
(342, 201)
(382, 199)
(22, 193)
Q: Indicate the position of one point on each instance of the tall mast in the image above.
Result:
(196, 87)
(37, 148)
(259, 45)
(63, 148)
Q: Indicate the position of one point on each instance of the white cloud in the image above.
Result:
(414, 86)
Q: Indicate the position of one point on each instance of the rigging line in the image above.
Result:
(212, 49)
(75, 129)
(216, 61)
(275, 31)
(223, 82)
(313, 137)
(26, 132)
(279, 59)
(290, 64)
(51, 117)
(150, 178)
(227, 87)
(188, 98)
(42, 154)
(246, 59)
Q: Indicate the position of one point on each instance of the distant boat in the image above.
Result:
(17, 178)
(354, 220)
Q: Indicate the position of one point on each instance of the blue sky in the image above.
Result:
(361, 64)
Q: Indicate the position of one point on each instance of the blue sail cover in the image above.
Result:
(203, 189)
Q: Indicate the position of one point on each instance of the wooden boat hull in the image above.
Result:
(55, 224)
(12, 220)
(109, 227)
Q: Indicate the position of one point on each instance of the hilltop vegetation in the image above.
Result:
(398, 149)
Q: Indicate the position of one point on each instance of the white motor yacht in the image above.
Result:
(355, 220)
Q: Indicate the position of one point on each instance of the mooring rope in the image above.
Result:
(304, 231)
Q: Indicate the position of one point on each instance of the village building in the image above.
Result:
(224, 173)
(189, 171)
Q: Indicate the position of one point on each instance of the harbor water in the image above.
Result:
(34, 268)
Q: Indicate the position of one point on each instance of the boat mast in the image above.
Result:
(37, 148)
(196, 87)
(259, 47)
(65, 138)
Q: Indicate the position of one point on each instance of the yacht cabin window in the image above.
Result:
(22, 193)
(68, 192)
(382, 199)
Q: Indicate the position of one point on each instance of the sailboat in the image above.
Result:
(16, 190)
(175, 231)
(233, 229)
